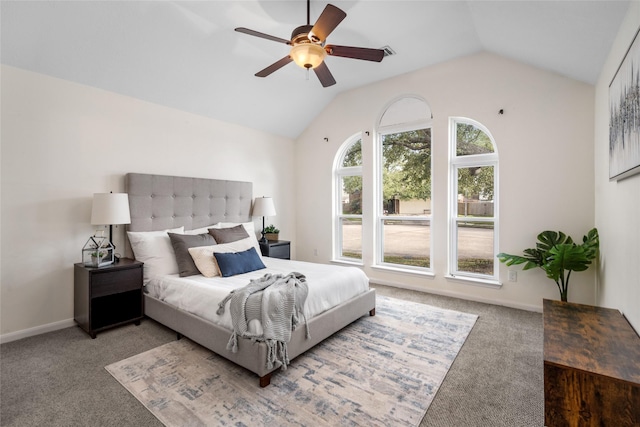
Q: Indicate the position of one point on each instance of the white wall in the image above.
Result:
(617, 209)
(62, 142)
(545, 143)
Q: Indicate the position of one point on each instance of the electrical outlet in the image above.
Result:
(513, 276)
(315, 252)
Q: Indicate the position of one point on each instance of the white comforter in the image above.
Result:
(329, 285)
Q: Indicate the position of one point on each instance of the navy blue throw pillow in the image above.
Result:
(233, 263)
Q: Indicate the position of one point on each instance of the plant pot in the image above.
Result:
(271, 236)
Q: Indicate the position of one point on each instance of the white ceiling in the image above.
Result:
(186, 55)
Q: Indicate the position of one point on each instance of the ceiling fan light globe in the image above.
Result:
(308, 55)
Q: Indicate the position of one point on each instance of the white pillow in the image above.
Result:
(205, 261)
(155, 250)
(248, 226)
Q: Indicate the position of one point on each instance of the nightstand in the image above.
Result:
(104, 297)
(276, 249)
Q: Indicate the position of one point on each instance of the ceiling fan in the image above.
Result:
(308, 48)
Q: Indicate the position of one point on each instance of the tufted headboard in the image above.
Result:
(158, 202)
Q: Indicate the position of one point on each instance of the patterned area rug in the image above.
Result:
(379, 371)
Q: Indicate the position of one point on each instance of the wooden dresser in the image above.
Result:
(591, 367)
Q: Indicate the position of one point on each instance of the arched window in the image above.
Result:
(348, 201)
(473, 200)
(403, 200)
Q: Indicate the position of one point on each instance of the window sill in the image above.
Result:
(475, 281)
(412, 272)
(347, 262)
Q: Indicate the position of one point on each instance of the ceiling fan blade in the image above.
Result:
(324, 75)
(274, 67)
(262, 35)
(329, 19)
(355, 52)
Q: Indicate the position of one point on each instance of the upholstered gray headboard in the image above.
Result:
(159, 202)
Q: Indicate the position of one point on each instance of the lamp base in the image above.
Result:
(263, 240)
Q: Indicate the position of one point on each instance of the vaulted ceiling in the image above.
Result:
(186, 54)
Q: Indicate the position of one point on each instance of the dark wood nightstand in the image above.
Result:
(276, 249)
(108, 296)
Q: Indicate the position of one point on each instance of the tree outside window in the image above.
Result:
(405, 211)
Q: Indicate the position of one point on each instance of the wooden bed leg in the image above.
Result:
(178, 336)
(372, 312)
(266, 380)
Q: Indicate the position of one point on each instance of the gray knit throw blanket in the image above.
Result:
(278, 302)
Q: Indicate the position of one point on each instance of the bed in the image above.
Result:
(190, 205)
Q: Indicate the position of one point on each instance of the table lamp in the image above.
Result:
(263, 206)
(110, 209)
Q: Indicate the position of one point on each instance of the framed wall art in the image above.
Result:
(624, 116)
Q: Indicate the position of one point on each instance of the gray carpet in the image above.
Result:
(58, 379)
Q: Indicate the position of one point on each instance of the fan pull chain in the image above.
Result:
(307, 74)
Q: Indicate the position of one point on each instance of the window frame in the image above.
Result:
(455, 163)
(341, 172)
(379, 216)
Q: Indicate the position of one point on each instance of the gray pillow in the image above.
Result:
(181, 244)
(228, 235)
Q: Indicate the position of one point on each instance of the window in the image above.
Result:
(473, 201)
(403, 214)
(348, 201)
(399, 181)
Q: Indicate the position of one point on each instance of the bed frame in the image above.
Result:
(159, 202)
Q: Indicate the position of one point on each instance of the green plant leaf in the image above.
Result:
(591, 243)
(531, 259)
(271, 229)
(536, 258)
(567, 256)
(511, 259)
(548, 239)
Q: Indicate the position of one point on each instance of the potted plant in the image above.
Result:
(558, 256)
(96, 257)
(271, 232)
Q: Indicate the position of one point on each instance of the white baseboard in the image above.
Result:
(37, 330)
(527, 307)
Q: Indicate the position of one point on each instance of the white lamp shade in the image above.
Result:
(263, 206)
(110, 209)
